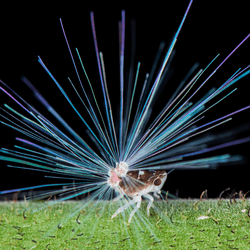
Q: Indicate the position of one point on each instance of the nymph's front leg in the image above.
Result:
(150, 203)
(157, 195)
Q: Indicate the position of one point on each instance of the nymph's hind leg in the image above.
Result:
(150, 203)
(138, 200)
(121, 209)
(118, 197)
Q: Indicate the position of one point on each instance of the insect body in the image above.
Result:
(136, 184)
(137, 139)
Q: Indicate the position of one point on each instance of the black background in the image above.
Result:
(209, 29)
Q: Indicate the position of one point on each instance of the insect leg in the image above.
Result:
(118, 197)
(156, 195)
(150, 203)
(121, 209)
(138, 200)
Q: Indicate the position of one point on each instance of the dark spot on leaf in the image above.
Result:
(16, 227)
(125, 239)
(219, 232)
(157, 242)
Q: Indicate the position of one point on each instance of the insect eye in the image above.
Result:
(157, 182)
